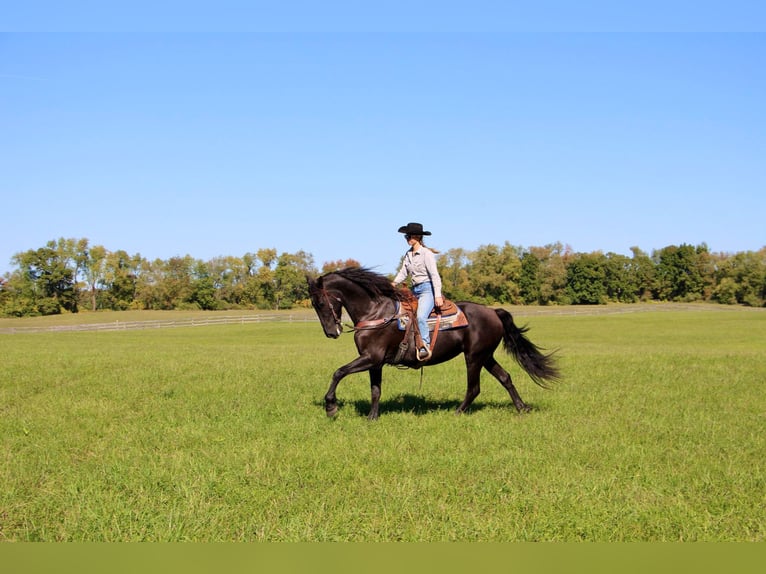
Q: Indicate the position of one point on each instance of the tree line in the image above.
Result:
(70, 274)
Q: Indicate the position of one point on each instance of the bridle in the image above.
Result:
(362, 325)
(335, 317)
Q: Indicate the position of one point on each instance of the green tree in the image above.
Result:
(644, 272)
(47, 280)
(330, 266)
(6, 296)
(229, 276)
(495, 273)
(619, 280)
(261, 285)
(278, 282)
(18, 297)
(166, 285)
(290, 279)
(679, 277)
(455, 273)
(120, 280)
(552, 272)
(176, 286)
(529, 279)
(586, 279)
(94, 271)
(741, 279)
(203, 290)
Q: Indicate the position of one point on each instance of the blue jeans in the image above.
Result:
(425, 294)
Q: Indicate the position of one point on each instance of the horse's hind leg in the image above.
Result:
(505, 379)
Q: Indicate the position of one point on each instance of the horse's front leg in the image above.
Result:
(361, 363)
(376, 377)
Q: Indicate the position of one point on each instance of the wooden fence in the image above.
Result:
(164, 324)
(202, 321)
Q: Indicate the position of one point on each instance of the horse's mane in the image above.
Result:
(375, 284)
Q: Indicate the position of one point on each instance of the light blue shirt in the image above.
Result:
(420, 265)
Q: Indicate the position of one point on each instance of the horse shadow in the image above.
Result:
(408, 403)
(418, 405)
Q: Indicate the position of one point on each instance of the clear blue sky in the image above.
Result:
(328, 139)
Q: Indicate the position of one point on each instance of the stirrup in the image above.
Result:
(426, 356)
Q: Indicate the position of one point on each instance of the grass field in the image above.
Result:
(219, 434)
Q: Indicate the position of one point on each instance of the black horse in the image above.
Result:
(371, 303)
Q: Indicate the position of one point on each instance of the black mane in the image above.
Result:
(375, 284)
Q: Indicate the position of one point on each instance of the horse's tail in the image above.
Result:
(541, 367)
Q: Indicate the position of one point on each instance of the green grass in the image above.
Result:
(218, 433)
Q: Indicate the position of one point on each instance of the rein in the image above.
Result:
(374, 323)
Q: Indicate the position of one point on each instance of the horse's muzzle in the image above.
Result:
(333, 334)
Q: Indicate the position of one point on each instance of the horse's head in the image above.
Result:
(328, 307)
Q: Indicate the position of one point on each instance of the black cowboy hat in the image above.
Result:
(413, 229)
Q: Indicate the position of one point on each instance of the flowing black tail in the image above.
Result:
(540, 367)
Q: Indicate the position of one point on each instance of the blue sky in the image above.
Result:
(218, 143)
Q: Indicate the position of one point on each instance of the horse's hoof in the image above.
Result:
(331, 411)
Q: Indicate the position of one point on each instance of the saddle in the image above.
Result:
(448, 316)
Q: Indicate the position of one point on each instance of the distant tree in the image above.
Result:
(261, 287)
(643, 273)
(203, 288)
(229, 275)
(94, 270)
(278, 282)
(6, 296)
(529, 279)
(18, 296)
(619, 280)
(250, 261)
(177, 281)
(54, 278)
(707, 263)
(455, 273)
(586, 279)
(267, 257)
(166, 285)
(679, 277)
(727, 291)
(552, 272)
(494, 274)
(741, 279)
(290, 278)
(330, 266)
(120, 279)
(50, 283)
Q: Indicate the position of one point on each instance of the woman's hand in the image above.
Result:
(439, 301)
